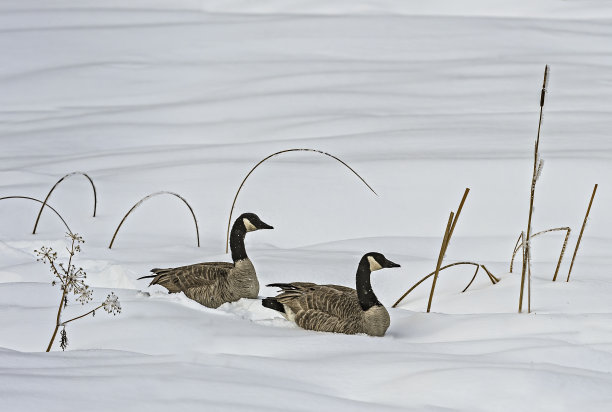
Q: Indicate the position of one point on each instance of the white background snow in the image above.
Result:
(422, 100)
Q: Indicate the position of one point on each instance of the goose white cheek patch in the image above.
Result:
(249, 226)
(374, 265)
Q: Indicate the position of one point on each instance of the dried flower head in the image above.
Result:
(111, 304)
(63, 339)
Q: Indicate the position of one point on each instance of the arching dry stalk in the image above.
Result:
(584, 222)
(518, 246)
(229, 221)
(195, 221)
(450, 228)
(53, 188)
(473, 278)
(493, 279)
(537, 168)
(44, 204)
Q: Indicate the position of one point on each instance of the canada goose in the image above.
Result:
(214, 283)
(333, 308)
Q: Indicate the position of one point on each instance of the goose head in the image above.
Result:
(378, 261)
(252, 222)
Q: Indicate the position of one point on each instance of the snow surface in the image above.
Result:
(422, 99)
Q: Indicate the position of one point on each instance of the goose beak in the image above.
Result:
(263, 225)
(389, 264)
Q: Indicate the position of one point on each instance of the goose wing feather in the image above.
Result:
(326, 308)
(185, 277)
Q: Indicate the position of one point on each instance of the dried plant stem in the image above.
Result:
(445, 240)
(494, 280)
(450, 228)
(567, 235)
(471, 281)
(82, 316)
(195, 221)
(584, 222)
(53, 188)
(44, 204)
(536, 163)
(229, 221)
(519, 245)
(528, 282)
(61, 305)
(441, 269)
(57, 321)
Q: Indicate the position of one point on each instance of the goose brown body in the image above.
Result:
(335, 308)
(214, 283)
(331, 308)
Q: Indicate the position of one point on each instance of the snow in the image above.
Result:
(421, 99)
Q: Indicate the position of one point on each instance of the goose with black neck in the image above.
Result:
(335, 308)
(214, 283)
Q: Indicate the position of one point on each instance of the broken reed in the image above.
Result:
(537, 169)
(93, 186)
(229, 220)
(44, 205)
(519, 245)
(493, 279)
(163, 192)
(450, 228)
(584, 222)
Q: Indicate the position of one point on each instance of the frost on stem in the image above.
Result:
(72, 281)
(539, 169)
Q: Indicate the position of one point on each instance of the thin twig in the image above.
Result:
(45, 204)
(432, 273)
(53, 188)
(518, 246)
(229, 221)
(195, 221)
(82, 316)
(567, 235)
(494, 280)
(471, 281)
(584, 222)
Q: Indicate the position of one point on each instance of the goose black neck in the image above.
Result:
(366, 295)
(237, 241)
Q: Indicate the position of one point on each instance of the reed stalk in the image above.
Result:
(537, 167)
(195, 221)
(491, 277)
(44, 205)
(229, 220)
(53, 188)
(445, 240)
(519, 245)
(584, 222)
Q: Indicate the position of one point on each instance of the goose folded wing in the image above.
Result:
(336, 301)
(197, 275)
